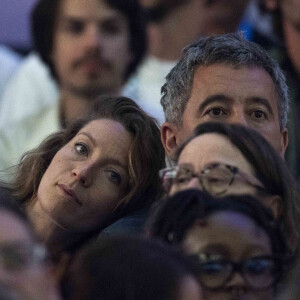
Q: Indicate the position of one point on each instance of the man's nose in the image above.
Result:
(93, 37)
(239, 117)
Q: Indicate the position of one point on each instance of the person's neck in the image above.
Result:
(73, 106)
(292, 42)
(179, 28)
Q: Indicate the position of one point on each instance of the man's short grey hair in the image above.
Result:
(232, 49)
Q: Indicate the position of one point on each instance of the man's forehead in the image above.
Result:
(223, 79)
(91, 9)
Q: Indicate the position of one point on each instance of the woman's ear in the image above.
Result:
(275, 203)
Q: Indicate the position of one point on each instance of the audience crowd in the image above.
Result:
(150, 149)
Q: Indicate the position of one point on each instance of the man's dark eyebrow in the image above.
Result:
(68, 18)
(214, 98)
(262, 101)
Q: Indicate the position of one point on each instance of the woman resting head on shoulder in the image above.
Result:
(240, 249)
(81, 179)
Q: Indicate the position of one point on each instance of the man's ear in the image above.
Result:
(169, 138)
(284, 141)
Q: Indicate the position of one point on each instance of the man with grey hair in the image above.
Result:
(225, 78)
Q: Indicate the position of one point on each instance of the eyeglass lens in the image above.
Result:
(214, 180)
(259, 273)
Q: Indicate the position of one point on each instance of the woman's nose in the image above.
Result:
(194, 183)
(237, 280)
(83, 174)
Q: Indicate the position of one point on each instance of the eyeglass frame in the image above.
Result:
(237, 267)
(234, 171)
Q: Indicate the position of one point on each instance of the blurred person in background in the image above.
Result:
(172, 25)
(91, 48)
(285, 49)
(25, 271)
(240, 249)
(9, 61)
(130, 268)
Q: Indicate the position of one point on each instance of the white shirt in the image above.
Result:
(30, 90)
(18, 137)
(145, 85)
(9, 61)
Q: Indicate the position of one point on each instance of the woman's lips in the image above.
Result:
(70, 194)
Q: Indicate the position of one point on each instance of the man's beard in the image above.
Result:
(90, 90)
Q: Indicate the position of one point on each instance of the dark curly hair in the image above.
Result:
(172, 218)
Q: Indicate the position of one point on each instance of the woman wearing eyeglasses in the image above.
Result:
(238, 248)
(225, 159)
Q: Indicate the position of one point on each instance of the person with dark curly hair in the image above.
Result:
(240, 249)
(225, 159)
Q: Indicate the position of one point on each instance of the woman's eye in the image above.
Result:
(81, 149)
(182, 179)
(115, 177)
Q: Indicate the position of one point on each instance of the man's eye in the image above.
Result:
(75, 27)
(110, 27)
(216, 112)
(258, 114)
(81, 149)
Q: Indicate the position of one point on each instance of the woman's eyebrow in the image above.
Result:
(89, 136)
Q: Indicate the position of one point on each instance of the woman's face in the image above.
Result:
(214, 148)
(87, 177)
(233, 237)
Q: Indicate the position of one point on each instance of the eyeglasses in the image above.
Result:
(17, 256)
(259, 272)
(215, 178)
